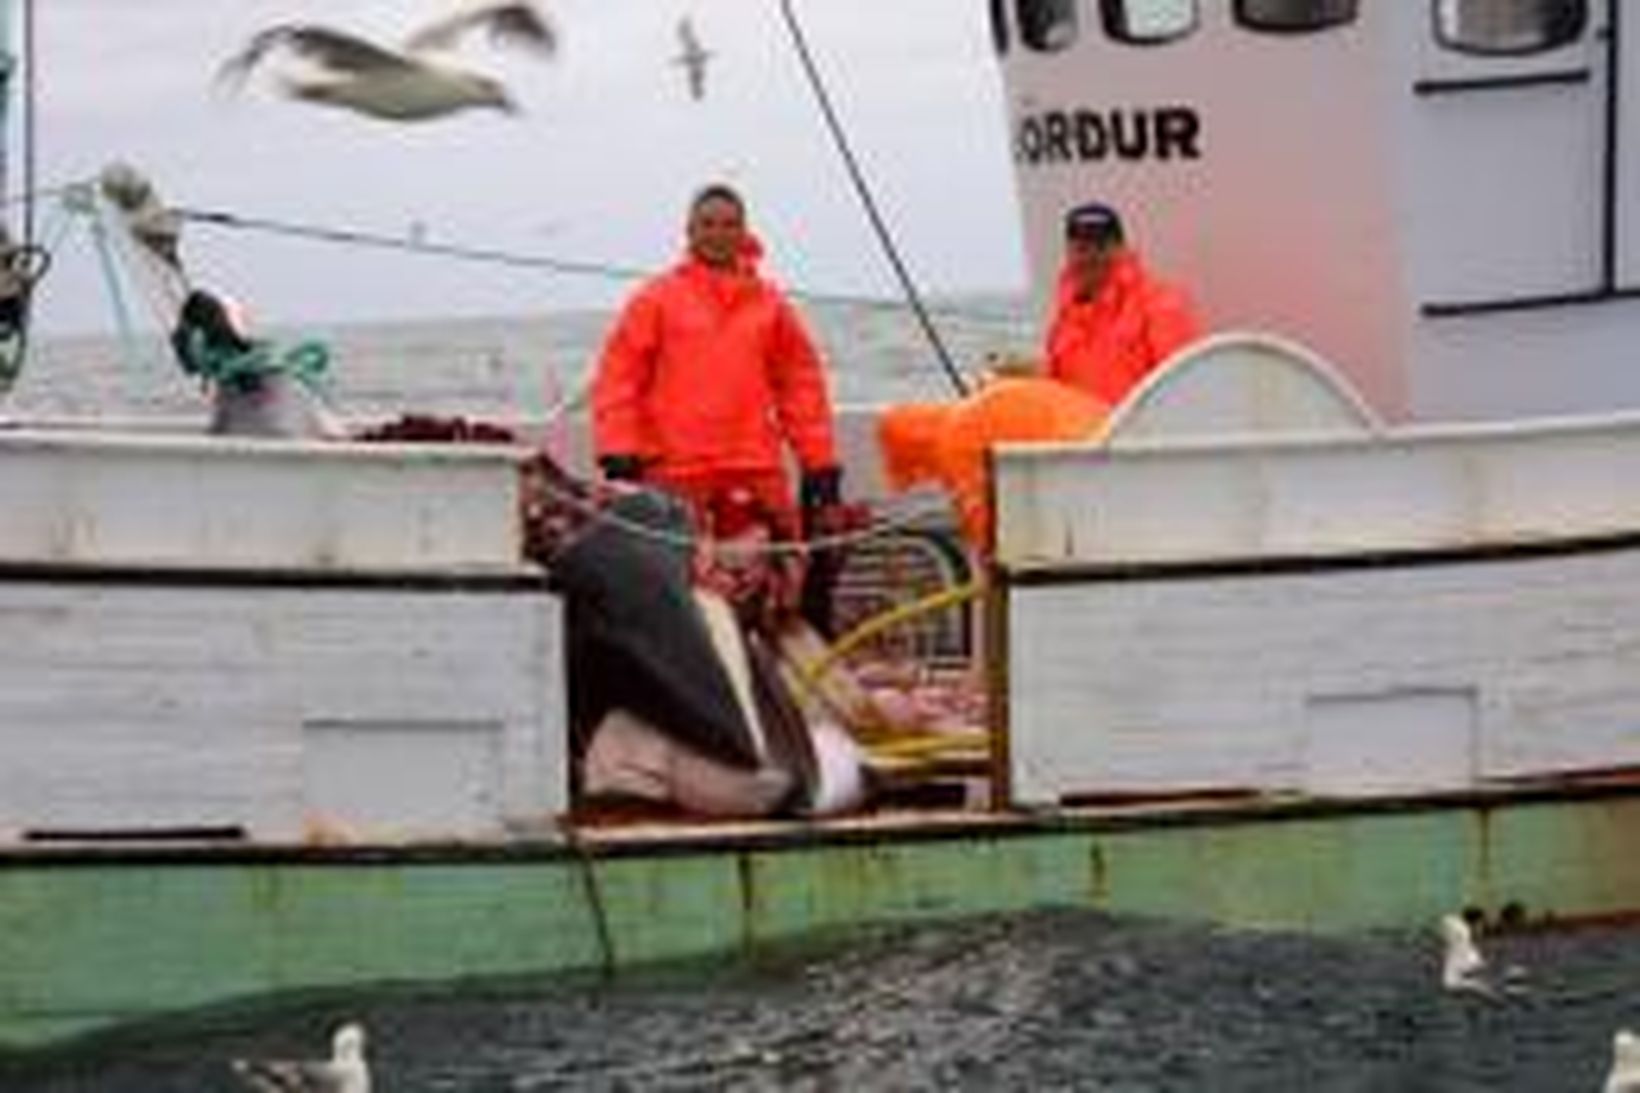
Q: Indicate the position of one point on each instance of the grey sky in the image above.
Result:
(597, 168)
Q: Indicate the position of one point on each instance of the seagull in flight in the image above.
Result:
(344, 1072)
(412, 82)
(693, 57)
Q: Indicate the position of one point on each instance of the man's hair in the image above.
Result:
(717, 191)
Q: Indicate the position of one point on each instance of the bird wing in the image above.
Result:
(508, 23)
(692, 57)
(696, 71)
(329, 48)
(687, 36)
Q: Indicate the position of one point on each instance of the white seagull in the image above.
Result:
(336, 68)
(693, 57)
(157, 228)
(1461, 962)
(344, 1072)
(1625, 1072)
(1464, 969)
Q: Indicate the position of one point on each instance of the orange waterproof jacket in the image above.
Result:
(1107, 344)
(709, 371)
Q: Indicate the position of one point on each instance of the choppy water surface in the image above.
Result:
(1054, 1001)
(511, 366)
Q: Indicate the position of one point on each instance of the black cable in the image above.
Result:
(800, 42)
(574, 267)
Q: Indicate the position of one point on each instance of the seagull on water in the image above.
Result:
(412, 82)
(1461, 962)
(1464, 969)
(1625, 1072)
(693, 57)
(344, 1072)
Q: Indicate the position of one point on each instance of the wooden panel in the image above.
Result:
(218, 502)
(123, 706)
(1430, 488)
(1223, 682)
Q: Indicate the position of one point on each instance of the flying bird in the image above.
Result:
(693, 57)
(412, 82)
(155, 227)
(344, 1072)
(1624, 1076)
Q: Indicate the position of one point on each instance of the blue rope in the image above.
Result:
(129, 350)
(305, 362)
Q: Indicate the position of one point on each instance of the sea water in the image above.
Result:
(1074, 1001)
(515, 367)
(1047, 1001)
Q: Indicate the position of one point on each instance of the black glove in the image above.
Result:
(821, 486)
(621, 468)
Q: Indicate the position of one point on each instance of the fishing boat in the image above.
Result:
(1329, 633)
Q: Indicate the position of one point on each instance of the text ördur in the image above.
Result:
(1084, 135)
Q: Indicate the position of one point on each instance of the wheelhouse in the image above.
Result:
(1441, 196)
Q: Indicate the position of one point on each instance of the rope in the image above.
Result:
(588, 871)
(567, 266)
(116, 292)
(946, 597)
(879, 225)
(912, 514)
(305, 362)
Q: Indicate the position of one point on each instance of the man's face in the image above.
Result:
(1088, 259)
(717, 230)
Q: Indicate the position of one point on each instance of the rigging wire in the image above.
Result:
(907, 514)
(30, 105)
(569, 266)
(857, 177)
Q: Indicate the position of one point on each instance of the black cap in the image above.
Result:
(1094, 220)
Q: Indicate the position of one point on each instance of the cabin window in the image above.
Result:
(1294, 16)
(1147, 22)
(1509, 26)
(1047, 26)
(999, 26)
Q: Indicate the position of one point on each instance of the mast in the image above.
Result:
(21, 263)
(8, 71)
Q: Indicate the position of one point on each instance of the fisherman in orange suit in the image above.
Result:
(709, 377)
(1112, 322)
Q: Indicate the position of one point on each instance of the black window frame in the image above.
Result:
(1248, 21)
(1112, 16)
(999, 27)
(1030, 34)
(1579, 29)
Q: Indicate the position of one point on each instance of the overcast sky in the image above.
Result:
(597, 168)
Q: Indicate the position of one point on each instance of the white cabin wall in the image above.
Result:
(1577, 359)
(1288, 220)
(1628, 164)
(1500, 193)
(1499, 185)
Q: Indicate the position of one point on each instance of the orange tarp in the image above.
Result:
(945, 443)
